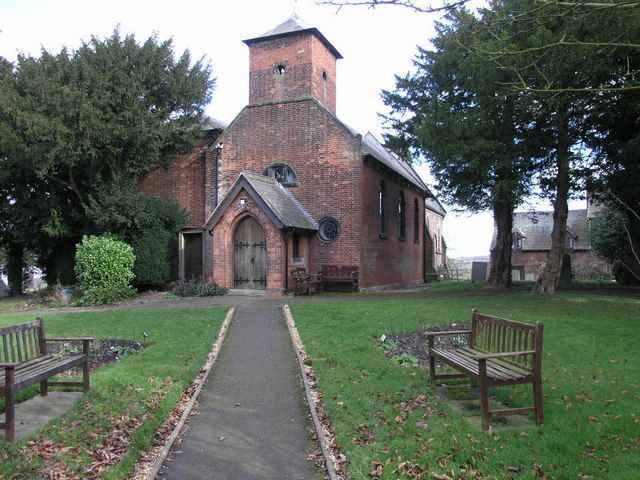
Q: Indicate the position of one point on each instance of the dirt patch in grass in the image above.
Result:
(416, 344)
(102, 351)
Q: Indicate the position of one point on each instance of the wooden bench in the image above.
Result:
(302, 281)
(341, 274)
(499, 352)
(24, 358)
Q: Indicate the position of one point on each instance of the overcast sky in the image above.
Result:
(376, 45)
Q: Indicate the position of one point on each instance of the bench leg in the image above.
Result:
(432, 371)
(484, 394)
(10, 404)
(538, 399)
(432, 364)
(85, 366)
(85, 377)
(44, 388)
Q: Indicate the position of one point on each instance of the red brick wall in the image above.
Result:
(223, 236)
(183, 181)
(324, 155)
(389, 260)
(305, 58)
(534, 261)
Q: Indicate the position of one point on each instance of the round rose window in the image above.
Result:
(329, 229)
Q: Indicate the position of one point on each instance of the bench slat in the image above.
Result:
(468, 359)
(25, 367)
(19, 327)
(43, 370)
(502, 364)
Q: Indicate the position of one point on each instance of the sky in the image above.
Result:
(376, 44)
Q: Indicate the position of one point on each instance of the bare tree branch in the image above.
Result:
(416, 5)
(617, 199)
(592, 4)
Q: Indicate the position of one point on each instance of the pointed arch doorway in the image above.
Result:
(250, 256)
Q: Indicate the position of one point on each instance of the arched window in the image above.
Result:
(283, 173)
(382, 209)
(416, 222)
(402, 216)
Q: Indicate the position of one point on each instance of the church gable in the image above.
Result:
(303, 136)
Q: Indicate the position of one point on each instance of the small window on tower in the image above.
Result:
(324, 76)
(280, 69)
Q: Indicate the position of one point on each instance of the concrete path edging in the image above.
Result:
(321, 433)
(211, 359)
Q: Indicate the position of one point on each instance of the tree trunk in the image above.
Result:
(15, 268)
(549, 280)
(500, 273)
(634, 238)
(629, 273)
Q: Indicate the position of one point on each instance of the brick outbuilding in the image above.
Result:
(287, 184)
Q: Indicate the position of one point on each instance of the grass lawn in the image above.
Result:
(12, 304)
(591, 382)
(133, 395)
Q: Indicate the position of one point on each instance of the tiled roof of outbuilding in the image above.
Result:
(536, 228)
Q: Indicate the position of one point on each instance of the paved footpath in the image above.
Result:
(252, 418)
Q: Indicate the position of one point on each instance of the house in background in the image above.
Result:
(435, 246)
(532, 242)
(287, 184)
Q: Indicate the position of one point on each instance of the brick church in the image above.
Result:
(287, 184)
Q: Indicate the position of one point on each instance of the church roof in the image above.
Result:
(210, 123)
(277, 202)
(294, 25)
(371, 146)
(432, 203)
(536, 228)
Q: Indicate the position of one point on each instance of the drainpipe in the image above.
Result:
(285, 236)
(216, 161)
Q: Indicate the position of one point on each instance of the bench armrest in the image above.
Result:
(8, 366)
(449, 332)
(489, 356)
(69, 339)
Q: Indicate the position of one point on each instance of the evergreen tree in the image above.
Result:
(77, 121)
(478, 141)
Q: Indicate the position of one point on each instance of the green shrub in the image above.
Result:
(104, 266)
(152, 250)
(149, 225)
(104, 296)
(197, 288)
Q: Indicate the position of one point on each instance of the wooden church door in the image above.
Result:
(250, 256)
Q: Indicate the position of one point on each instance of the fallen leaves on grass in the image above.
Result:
(412, 470)
(377, 468)
(365, 437)
(108, 450)
(164, 432)
(441, 476)
(115, 445)
(537, 471)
